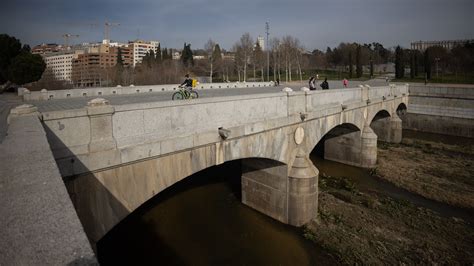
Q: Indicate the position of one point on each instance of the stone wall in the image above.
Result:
(441, 109)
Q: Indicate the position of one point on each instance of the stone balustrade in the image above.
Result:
(102, 91)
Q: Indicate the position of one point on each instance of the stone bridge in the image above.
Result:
(115, 158)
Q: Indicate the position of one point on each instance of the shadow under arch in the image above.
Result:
(176, 208)
(401, 110)
(105, 198)
(388, 128)
(335, 132)
(380, 114)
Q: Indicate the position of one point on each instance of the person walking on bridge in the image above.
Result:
(345, 82)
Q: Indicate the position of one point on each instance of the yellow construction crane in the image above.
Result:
(107, 25)
(66, 37)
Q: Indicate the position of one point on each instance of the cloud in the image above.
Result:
(317, 23)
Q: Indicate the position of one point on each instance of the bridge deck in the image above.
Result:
(76, 103)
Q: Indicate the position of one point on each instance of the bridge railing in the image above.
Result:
(323, 98)
(102, 91)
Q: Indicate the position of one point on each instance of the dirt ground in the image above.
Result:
(372, 228)
(434, 170)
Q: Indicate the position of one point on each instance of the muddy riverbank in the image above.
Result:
(363, 218)
(433, 169)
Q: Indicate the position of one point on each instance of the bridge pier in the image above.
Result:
(388, 129)
(348, 145)
(291, 199)
(368, 153)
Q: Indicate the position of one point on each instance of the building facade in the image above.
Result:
(93, 68)
(140, 48)
(261, 42)
(60, 63)
(47, 48)
(450, 44)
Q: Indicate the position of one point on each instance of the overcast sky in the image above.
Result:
(317, 23)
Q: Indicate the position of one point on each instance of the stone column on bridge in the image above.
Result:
(100, 115)
(302, 190)
(368, 153)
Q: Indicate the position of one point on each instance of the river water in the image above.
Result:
(201, 221)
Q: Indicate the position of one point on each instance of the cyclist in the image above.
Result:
(187, 83)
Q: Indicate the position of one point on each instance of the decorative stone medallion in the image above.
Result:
(299, 135)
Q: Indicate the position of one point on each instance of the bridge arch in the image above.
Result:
(103, 199)
(387, 126)
(341, 143)
(401, 109)
(378, 114)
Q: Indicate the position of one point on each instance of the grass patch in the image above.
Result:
(334, 182)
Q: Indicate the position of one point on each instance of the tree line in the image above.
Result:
(246, 60)
(17, 64)
(435, 60)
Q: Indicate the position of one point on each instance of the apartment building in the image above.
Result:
(91, 68)
(261, 42)
(61, 63)
(140, 48)
(47, 48)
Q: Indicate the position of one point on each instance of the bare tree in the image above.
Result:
(258, 60)
(276, 57)
(209, 48)
(50, 82)
(246, 45)
(239, 59)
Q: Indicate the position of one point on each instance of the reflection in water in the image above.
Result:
(201, 221)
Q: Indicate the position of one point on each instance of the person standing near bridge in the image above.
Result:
(345, 82)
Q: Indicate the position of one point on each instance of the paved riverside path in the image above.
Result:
(77, 103)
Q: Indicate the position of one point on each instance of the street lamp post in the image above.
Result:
(437, 60)
(267, 28)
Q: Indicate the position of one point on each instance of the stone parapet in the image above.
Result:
(102, 91)
(38, 223)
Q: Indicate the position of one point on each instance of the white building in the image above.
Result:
(261, 42)
(141, 48)
(61, 63)
(176, 55)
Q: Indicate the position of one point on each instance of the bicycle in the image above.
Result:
(185, 93)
